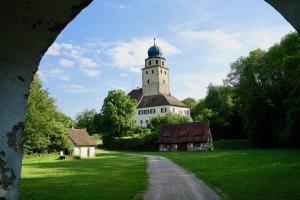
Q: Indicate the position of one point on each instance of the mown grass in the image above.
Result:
(109, 176)
(245, 174)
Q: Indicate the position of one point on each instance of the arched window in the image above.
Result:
(148, 81)
(149, 62)
(163, 63)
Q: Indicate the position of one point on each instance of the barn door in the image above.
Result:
(182, 147)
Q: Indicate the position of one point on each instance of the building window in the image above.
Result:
(165, 72)
(188, 112)
(152, 111)
(141, 122)
(146, 121)
(146, 72)
(140, 112)
(163, 110)
(163, 63)
(148, 81)
(152, 71)
(146, 112)
(161, 71)
(149, 62)
(156, 61)
(173, 110)
(164, 81)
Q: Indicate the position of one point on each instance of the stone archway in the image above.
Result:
(28, 28)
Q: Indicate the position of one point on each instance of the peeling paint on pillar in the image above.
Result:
(28, 28)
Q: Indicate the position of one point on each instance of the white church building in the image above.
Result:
(154, 98)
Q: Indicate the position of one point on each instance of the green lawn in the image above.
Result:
(245, 174)
(107, 176)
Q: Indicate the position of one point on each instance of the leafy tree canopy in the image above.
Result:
(45, 128)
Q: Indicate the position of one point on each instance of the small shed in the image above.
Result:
(185, 137)
(80, 143)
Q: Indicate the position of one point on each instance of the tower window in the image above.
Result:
(149, 62)
(163, 63)
(146, 72)
(148, 81)
(164, 81)
(161, 71)
(152, 71)
(165, 72)
(156, 61)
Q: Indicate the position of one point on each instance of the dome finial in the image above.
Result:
(154, 41)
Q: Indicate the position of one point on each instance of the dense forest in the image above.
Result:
(260, 98)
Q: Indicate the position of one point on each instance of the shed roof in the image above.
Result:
(160, 100)
(80, 137)
(184, 133)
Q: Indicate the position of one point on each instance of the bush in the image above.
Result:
(144, 141)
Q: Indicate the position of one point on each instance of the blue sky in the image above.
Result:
(104, 47)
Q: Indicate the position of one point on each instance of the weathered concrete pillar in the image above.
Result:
(28, 28)
(289, 9)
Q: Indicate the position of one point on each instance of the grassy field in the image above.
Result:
(242, 173)
(107, 176)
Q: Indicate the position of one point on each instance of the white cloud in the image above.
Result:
(195, 84)
(131, 55)
(55, 72)
(64, 78)
(115, 85)
(123, 75)
(66, 62)
(220, 47)
(91, 72)
(77, 88)
(87, 62)
(54, 49)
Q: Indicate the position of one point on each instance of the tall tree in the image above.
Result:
(117, 114)
(85, 120)
(43, 132)
(268, 89)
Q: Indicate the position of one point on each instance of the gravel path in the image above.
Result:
(168, 181)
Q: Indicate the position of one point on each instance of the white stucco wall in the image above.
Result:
(170, 109)
(83, 151)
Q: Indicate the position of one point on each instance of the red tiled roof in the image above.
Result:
(80, 137)
(160, 100)
(136, 94)
(184, 133)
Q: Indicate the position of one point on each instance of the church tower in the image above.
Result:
(155, 74)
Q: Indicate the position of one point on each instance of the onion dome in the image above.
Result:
(154, 51)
